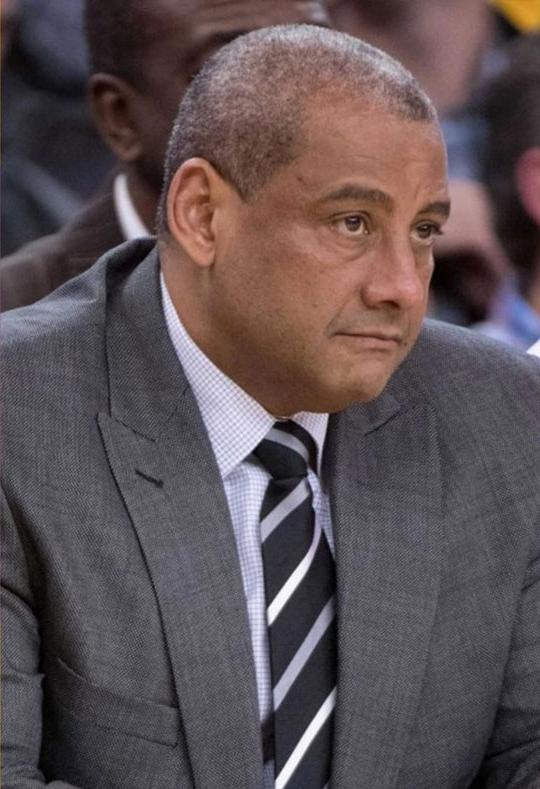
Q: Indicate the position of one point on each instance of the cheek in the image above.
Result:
(275, 274)
(306, 277)
(283, 285)
(308, 297)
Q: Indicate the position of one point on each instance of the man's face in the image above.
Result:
(320, 282)
(186, 33)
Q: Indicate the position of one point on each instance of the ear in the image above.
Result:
(197, 200)
(112, 101)
(527, 176)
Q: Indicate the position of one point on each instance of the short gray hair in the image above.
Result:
(245, 109)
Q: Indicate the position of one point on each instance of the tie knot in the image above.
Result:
(287, 451)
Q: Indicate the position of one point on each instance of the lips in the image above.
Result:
(374, 334)
(371, 341)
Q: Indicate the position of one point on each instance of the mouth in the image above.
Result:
(376, 339)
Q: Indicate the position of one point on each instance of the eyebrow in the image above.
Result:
(378, 197)
(357, 192)
(441, 207)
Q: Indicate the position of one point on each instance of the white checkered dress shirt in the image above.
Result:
(236, 424)
(535, 349)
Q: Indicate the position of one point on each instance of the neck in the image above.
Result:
(144, 197)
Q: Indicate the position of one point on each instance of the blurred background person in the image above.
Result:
(8, 15)
(449, 45)
(143, 54)
(470, 264)
(511, 107)
(52, 156)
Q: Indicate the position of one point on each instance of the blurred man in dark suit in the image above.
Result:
(143, 54)
(46, 121)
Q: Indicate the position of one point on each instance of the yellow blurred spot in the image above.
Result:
(523, 14)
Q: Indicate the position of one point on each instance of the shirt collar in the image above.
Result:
(130, 222)
(235, 422)
(535, 349)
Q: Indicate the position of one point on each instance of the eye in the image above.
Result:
(352, 225)
(427, 231)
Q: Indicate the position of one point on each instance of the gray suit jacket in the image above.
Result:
(127, 658)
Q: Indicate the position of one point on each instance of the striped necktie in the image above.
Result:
(299, 577)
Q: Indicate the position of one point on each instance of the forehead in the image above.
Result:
(343, 146)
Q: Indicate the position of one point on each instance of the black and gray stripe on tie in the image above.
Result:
(300, 598)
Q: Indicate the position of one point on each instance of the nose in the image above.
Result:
(398, 275)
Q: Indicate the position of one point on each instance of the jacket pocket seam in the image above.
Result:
(101, 707)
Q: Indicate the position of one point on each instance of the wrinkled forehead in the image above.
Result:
(344, 142)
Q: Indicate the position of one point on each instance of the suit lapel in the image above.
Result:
(167, 475)
(385, 494)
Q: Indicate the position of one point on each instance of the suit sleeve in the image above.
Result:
(21, 679)
(513, 758)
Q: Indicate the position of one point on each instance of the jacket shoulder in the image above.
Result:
(460, 371)
(30, 273)
(76, 311)
(43, 265)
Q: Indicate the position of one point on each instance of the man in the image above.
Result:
(512, 174)
(242, 548)
(143, 54)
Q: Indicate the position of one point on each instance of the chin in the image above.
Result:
(333, 401)
(362, 388)
(338, 388)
